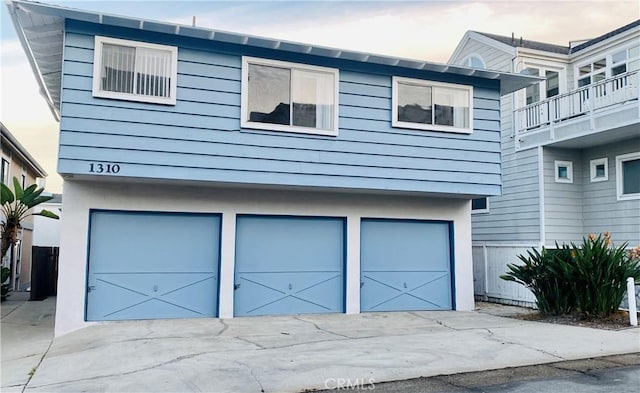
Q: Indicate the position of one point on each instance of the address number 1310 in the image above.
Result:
(103, 168)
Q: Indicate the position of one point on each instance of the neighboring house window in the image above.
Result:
(135, 71)
(474, 61)
(5, 172)
(547, 88)
(599, 169)
(625, 60)
(628, 176)
(480, 205)
(592, 72)
(433, 106)
(290, 97)
(552, 83)
(532, 92)
(564, 171)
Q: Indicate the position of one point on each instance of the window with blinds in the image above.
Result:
(135, 71)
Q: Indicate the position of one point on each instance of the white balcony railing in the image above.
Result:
(580, 102)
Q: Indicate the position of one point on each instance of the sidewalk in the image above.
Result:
(26, 333)
(293, 353)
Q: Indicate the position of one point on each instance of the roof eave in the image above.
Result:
(512, 81)
(22, 152)
(44, 91)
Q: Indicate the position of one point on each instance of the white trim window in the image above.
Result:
(625, 60)
(564, 171)
(547, 88)
(480, 205)
(628, 176)
(291, 97)
(474, 61)
(591, 72)
(433, 106)
(599, 169)
(135, 71)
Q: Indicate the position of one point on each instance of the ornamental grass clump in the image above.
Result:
(589, 279)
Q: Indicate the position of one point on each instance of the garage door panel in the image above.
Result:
(389, 241)
(405, 265)
(186, 242)
(137, 271)
(113, 294)
(288, 243)
(153, 309)
(289, 265)
(395, 291)
(289, 292)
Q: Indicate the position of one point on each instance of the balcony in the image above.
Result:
(602, 112)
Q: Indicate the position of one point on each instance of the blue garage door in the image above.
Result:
(405, 265)
(152, 265)
(289, 265)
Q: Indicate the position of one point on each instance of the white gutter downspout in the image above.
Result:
(30, 56)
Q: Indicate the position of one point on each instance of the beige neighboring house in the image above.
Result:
(18, 163)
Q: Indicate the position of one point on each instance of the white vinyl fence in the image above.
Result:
(489, 263)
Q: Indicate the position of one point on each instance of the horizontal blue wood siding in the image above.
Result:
(200, 137)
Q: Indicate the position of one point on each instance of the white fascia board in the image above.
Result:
(534, 54)
(508, 49)
(606, 44)
(461, 44)
(472, 35)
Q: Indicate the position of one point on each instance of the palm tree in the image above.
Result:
(16, 206)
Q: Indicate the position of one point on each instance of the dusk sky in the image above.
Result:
(424, 30)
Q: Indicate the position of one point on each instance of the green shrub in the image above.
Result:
(546, 274)
(589, 278)
(601, 272)
(5, 272)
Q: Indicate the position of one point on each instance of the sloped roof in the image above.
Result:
(11, 141)
(40, 30)
(521, 43)
(553, 48)
(603, 37)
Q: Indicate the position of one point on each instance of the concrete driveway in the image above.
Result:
(26, 331)
(294, 353)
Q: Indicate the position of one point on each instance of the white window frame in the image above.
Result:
(619, 176)
(593, 164)
(542, 68)
(626, 62)
(468, 61)
(428, 127)
(569, 166)
(480, 211)
(97, 65)
(244, 99)
(592, 60)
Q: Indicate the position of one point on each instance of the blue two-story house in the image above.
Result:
(215, 174)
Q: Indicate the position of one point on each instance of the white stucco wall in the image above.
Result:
(80, 197)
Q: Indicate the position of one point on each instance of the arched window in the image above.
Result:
(474, 61)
